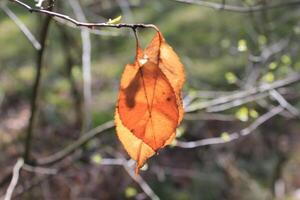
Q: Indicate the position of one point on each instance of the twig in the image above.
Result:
(237, 102)
(56, 157)
(284, 103)
(270, 50)
(128, 166)
(141, 182)
(243, 94)
(21, 26)
(84, 24)
(209, 116)
(67, 44)
(86, 64)
(233, 136)
(14, 180)
(92, 31)
(36, 88)
(241, 9)
(44, 176)
(40, 170)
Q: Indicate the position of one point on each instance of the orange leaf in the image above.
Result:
(149, 105)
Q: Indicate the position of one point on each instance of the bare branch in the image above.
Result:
(56, 157)
(84, 24)
(141, 182)
(36, 87)
(284, 103)
(266, 87)
(237, 102)
(209, 116)
(128, 166)
(14, 180)
(39, 170)
(233, 136)
(21, 26)
(86, 64)
(241, 9)
(92, 31)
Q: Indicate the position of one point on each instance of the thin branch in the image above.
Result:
(209, 116)
(237, 102)
(36, 87)
(233, 136)
(92, 31)
(141, 182)
(86, 64)
(56, 157)
(284, 103)
(83, 24)
(128, 166)
(21, 26)
(39, 170)
(67, 44)
(14, 180)
(266, 87)
(241, 9)
(46, 174)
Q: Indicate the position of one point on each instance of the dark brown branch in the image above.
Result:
(241, 9)
(84, 24)
(36, 88)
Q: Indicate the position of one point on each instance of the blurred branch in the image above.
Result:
(46, 174)
(21, 26)
(128, 166)
(284, 103)
(39, 170)
(265, 87)
(83, 24)
(86, 64)
(233, 136)
(125, 7)
(14, 180)
(108, 125)
(141, 182)
(270, 50)
(67, 44)
(56, 157)
(36, 87)
(237, 102)
(241, 9)
(209, 116)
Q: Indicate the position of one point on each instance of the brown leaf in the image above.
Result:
(149, 105)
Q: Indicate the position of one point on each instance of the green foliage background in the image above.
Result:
(213, 45)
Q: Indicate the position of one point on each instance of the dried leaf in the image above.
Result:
(149, 105)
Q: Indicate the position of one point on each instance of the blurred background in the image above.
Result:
(240, 136)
